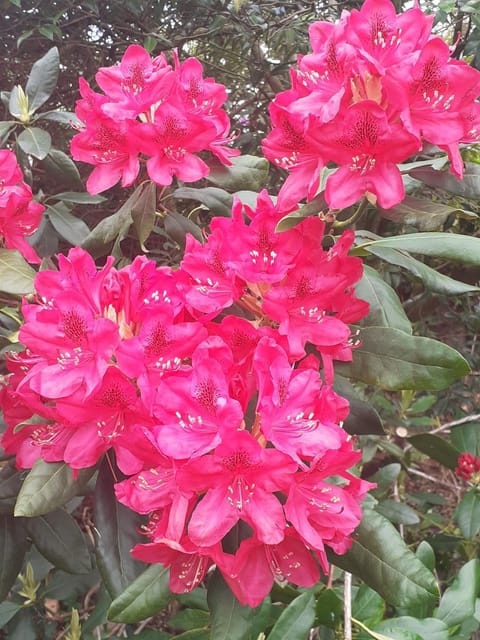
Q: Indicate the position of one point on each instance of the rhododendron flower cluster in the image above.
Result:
(151, 111)
(468, 467)
(20, 216)
(200, 381)
(375, 89)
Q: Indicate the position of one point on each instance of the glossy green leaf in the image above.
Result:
(48, 486)
(65, 117)
(42, 79)
(426, 629)
(145, 597)
(385, 307)
(368, 606)
(381, 559)
(218, 201)
(248, 173)
(468, 187)
(395, 360)
(78, 198)
(466, 438)
(229, 619)
(458, 602)
(296, 620)
(35, 142)
(69, 227)
(10, 483)
(328, 609)
(426, 215)
(397, 512)
(143, 212)
(117, 532)
(426, 554)
(13, 546)
(436, 448)
(62, 169)
(177, 227)
(60, 540)
(468, 514)
(16, 275)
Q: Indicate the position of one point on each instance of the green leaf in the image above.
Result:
(10, 483)
(247, 173)
(426, 629)
(395, 360)
(64, 117)
(458, 601)
(14, 102)
(218, 201)
(48, 486)
(385, 307)
(78, 198)
(426, 554)
(143, 212)
(13, 546)
(426, 215)
(397, 512)
(329, 609)
(431, 278)
(368, 606)
(35, 142)
(468, 187)
(296, 620)
(436, 448)
(5, 127)
(7, 611)
(468, 514)
(62, 169)
(381, 558)
(16, 275)
(190, 619)
(177, 227)
(449, 246)
(229, 619)
(466, 438)
(291, 220)
(145, 597)
(22, 626)
(42, 79)
(385, 477)
(117, 528)
(69, 227)
(362, 419)
(61, 541)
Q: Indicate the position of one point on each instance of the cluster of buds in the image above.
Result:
(151, 111)
(199, 380)
(375, 89)
(468, 467)
(20, 216)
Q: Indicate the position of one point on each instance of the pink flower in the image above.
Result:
(468, 466)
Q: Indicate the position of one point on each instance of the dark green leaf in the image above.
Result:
(397, 512)
(5, 127)
(314, 207)
(248, 173)
(385, 307)
(16, 275)
(468, 187)
(368, 606)
(218, 201)
(69, 227)
(329, 608)
(436, 448)
(395, 360)
(229, 619)
(60, 540)
(117, 529)
(78, 198)
(385, 477)
(189, 619)
(143, 212)
(145, 597)
(48, 486)
(426, 215)
(458, 601)
(468, 514)
(381, 558)
(296, 620)
(22, 626)
(196, 599)
(13, 546)
(466, 438)
(177, 227)
(65, 117)
(42, 79)
(423, 404)
(427, 629)
(7, 611)
(62, 169)
(363, 419)
(426, 554)
(36, 142)
(10, 483)
(194, 634)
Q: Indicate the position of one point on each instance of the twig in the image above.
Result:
(427, 477)
(455, 423)
(347, 613)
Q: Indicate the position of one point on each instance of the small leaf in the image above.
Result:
(397, 512)
(13, 546)
(395, 360)
(381, 558)
(69, 227)
(436, 448)
(35, 142)
(385, 307)
(468, 514)
(42, 79)
(218, 201)
(49, 485)
(385, 477)
(60, 540)
(143, 212)
(314, 207)
(117, 528)
(466, 438)
(247, 173)
(426, 554)
(368, 606)
(145, 597)
(62, 169)
(296, 620)
(16, 275)
(458, 601)
(229, 619)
